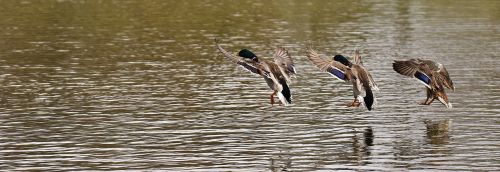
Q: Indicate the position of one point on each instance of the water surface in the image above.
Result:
(136, 85)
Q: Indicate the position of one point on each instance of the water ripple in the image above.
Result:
(143, 90)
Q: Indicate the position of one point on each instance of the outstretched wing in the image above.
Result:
(335, 68)
(429, 63)
(372, 83)
(412, 68)
(405, 67)
(284, 60)
(358, 61)
(445, 77)
(249, 65)
(357, 58)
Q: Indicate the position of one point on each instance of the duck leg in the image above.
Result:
(431, 100)
(354, 103)
(424, 102)
(429, 97)
(272, 97)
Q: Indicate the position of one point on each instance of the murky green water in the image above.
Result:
(139, 85)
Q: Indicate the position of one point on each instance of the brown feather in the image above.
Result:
(323, 64)
(283, 59)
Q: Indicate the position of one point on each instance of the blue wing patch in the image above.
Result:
(422, 77)
(337, 73)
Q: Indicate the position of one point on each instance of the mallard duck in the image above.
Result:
(277, 73)
(433, 75)
(344, 70)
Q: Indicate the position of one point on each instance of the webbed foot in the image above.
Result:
(272, 98)
(354, 103)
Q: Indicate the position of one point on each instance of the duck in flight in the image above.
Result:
(342, 69)
(276, 73)
(433, 75)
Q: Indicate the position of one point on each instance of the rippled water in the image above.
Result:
(136, 85)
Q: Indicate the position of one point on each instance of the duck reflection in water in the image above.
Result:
(280, 164)
(438, 131)
(361, 149)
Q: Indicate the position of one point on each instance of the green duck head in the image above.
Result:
(342, 59)
(248, 54)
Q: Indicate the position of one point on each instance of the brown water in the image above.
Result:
(139, 85)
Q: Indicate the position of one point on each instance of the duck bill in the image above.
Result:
(446, 103)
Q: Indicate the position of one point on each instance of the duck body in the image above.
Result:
(277, 73)
(362, 84)
(342, 69)
(433, 75)
(277, 81)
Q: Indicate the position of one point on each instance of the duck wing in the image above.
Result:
(413, 68)
(357, 58)
(372, 83)
(249, 65)
(285, 63)
(283, 59)
(432, 65)
(357, 61)
(445, 77)
(336, 69)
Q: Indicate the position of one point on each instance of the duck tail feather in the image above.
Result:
(369, 99)
(285, 95)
